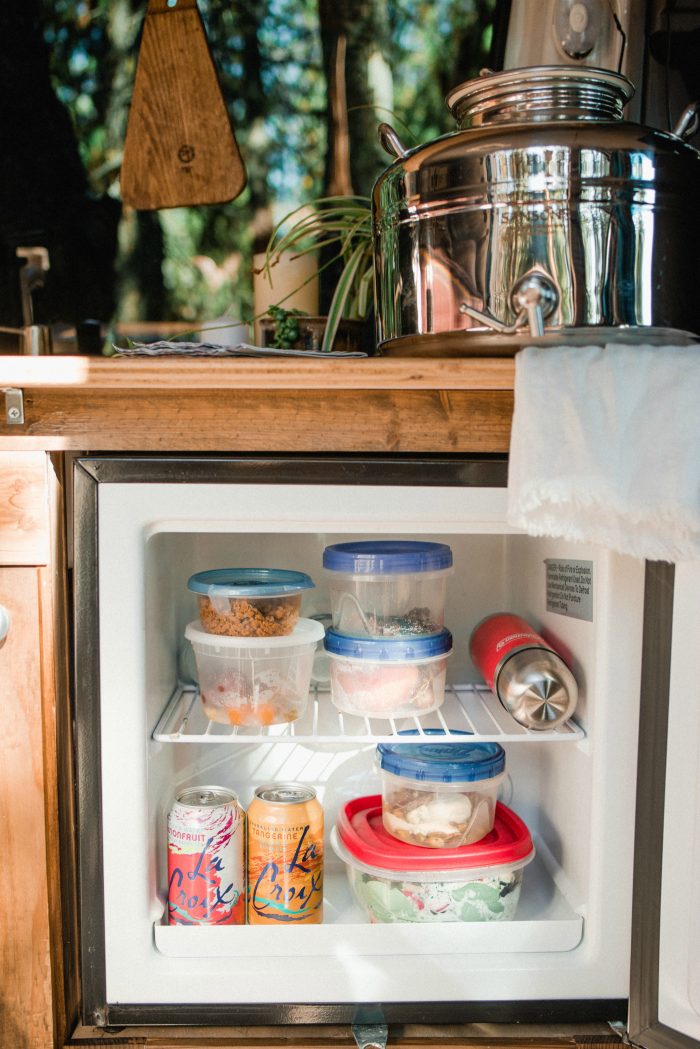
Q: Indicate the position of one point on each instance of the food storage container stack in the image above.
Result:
(253, 652)
(387, 646)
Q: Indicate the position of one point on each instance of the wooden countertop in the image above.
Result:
(376, 404)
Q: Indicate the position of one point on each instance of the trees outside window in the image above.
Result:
(306, 82)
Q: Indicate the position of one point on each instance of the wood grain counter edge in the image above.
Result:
(373, 373)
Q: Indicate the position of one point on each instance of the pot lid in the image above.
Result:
(540, 93)
(362, 832)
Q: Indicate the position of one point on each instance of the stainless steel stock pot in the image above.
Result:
(546, 217)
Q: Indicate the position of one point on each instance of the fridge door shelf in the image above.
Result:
(544, 921)
(467, 707)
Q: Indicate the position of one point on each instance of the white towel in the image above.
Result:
(605, 447)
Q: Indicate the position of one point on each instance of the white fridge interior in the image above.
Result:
(574, 787)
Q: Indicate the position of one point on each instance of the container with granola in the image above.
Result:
(249, 602)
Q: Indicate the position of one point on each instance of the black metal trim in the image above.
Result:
(425, 470)
(568, 1011)
(87, 744)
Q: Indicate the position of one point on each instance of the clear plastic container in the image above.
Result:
(249, 602)
(255, 680)
(381, 678)
(388, 588)
(438, 794)
(396, 882)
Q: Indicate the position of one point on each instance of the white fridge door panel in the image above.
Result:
(679, 945)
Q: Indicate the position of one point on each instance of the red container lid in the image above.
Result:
(362, 832)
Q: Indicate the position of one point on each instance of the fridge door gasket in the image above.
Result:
(442, 471)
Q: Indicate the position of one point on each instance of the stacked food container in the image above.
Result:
(253, 652)
(436, 845)
(387, 646)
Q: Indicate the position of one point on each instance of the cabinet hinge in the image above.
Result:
(370, 1036)
(14, 405)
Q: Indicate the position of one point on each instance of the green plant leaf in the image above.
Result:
(364, 288)
(340, 297)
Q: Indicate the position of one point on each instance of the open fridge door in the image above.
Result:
(665, 990)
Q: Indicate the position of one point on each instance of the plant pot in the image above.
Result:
(352, 335)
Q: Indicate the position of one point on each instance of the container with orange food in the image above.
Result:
(255, 680)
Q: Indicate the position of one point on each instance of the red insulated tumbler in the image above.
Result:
(531, 680)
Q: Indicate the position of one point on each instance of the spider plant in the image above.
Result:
(343, 224)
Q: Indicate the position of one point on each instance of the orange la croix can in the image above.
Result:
(285, 856)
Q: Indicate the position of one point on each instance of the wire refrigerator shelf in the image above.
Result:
(471, 708)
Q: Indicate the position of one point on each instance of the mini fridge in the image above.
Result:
(608, 924)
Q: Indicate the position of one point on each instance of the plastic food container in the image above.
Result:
(388, 588)
(255, 680)
(376, 677)
(249, 602)
(396, 882)
(440, 794)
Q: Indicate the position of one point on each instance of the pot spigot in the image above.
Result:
(391, 142)
(534, 297)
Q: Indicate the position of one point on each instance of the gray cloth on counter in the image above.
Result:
(212, 349)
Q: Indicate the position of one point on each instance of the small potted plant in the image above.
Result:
(344, 225)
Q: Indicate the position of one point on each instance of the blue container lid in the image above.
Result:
(249, 582)
(380, 649)
(442, 762)
(387, 557)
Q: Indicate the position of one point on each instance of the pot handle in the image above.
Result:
(391, 142)
(688, 123)
(534, 297)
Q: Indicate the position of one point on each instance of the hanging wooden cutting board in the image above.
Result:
(180, 148)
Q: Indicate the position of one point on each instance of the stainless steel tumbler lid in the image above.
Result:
(537, 688)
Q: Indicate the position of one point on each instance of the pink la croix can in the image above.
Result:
(206, 858)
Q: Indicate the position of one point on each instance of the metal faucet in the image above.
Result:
(35, 339)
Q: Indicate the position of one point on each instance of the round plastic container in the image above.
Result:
(396, 882)
(255, 680)
(376, 677)
(388, 588)
(249, 602)
(440, 794)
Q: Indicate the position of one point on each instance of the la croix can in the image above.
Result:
(285, 856)
(206, 858)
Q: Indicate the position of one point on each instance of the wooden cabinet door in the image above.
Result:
(32, 1013)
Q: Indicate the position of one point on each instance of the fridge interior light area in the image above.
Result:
(141, 530)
